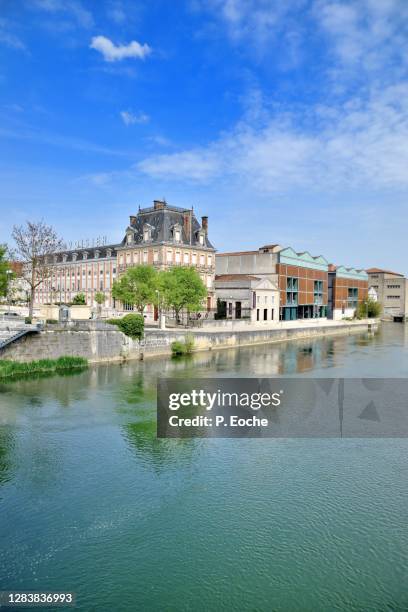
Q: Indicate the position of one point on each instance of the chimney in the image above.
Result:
(204, 224)
(159, 204)
(132, 220)
(187, 224)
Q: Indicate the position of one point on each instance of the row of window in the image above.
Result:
(171, 258)
(292, 291)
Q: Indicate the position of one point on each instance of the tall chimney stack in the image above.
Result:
(204, 224)
(159, 204)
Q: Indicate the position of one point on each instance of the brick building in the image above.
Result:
(348, 287)
(302, 278)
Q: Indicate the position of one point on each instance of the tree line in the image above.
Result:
(178, 288)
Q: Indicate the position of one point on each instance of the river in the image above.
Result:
(92, 502)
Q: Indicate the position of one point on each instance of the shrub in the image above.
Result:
(28, 320)
(132, 325)
(184, 347)
(178, 348)
(113, 321)
(370, 308)
(52, 321)
(79, 300)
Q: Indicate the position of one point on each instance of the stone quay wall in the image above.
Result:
(99, 342)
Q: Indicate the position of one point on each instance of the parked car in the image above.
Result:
(11, 315)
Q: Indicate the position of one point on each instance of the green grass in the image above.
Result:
(10, 369)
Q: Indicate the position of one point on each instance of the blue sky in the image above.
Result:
(285, 122)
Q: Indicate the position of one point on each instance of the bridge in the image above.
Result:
(12, 331)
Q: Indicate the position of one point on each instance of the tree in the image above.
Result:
(79, 300)
(100, 300)
(137, 286)
(35, 244)
(4, 268)
(369, 308)
(182, 288)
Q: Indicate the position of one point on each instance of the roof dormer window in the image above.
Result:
(129, 237)
(201, 237)
(64, 257)
(176, 231)
(85, 255)
(108, 252)
(74, 256)
(147, 232)
(96, 254)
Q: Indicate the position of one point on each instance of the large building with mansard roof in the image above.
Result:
(161, 235)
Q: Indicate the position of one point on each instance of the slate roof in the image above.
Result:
(162, 221)
(103, 254)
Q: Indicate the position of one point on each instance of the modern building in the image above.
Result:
(348, 287)
(162, 236)
(244, 296)
(392, 291)
(302, 278)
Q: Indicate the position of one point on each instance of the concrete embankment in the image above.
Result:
(100, 342)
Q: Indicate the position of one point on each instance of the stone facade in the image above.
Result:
(162, 235)
(392, 291)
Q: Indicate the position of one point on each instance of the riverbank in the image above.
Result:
(16, 369)
(99, 342)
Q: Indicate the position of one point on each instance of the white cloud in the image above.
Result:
(73, 8)
(362, 144)
(130, 118)
(8, 38)
(113, 53)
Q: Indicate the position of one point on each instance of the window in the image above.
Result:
(169, 256)
(127, 306)
(265, 299)
(145, 256)
(318, 292)
(186, 258)
(129, 238)
(292, 291)
(178, 257)
(201, 238)
(155, 256)
(393, 286)
(177, 235)
(194, 259)
(202, 259)
(352, 297)
(209, 260)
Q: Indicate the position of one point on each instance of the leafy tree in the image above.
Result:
(35, 245)
(79, 300)
(100, 300)
(4, 268)
(369, 308)
(137, 286)
(181, 288)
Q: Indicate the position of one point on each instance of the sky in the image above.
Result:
(284, 122)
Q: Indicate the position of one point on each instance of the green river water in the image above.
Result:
(92, 502)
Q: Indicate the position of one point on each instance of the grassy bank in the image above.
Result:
(10, 369)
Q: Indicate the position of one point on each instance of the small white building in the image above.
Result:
(372, 294)
(244, 296)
